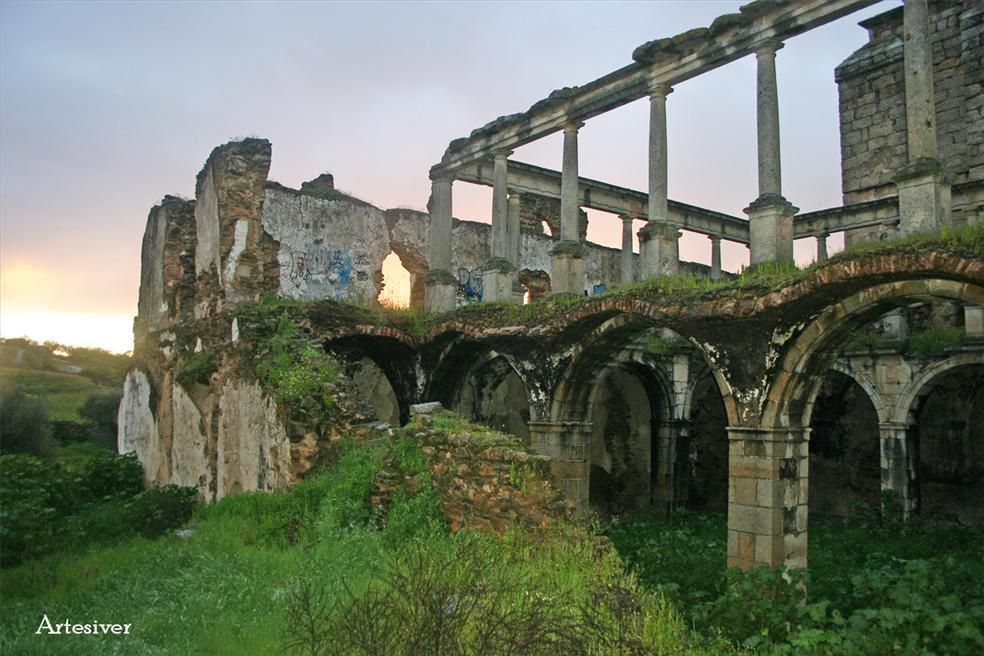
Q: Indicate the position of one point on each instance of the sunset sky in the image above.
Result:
(105, 107)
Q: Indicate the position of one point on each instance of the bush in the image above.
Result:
(24, 425)
(109, 476)
(35, 494)
(46, 507)
(101, 410)
(158, 509)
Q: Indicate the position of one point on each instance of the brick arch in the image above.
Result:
(794, 386)
(919, 386)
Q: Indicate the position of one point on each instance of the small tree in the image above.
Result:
(100, 409)
(24, 425)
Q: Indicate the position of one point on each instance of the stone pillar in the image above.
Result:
(767, 497)
(656, 255)
(715, 257)
(498, 273)
(770, 216)
(669, 483)
(923, 184)
(440, 285)
(974, 321)
(628, 266)
(659, 250)
(822, 247)
(515, 245)
(566, 442)
(567, 257)
(897, 466)
(895, 326)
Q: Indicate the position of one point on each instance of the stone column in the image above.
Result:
(515, 245)
(770, 216)
(923, 184)
(567, 257)
(628, 266)
(669, 480)
(498, 272)
(566, 442)
(822, 247)
(715, 257)
(440, 284)
(897, 466)
(656, 255)
(659, 250)
(767, 497)
(974, 321)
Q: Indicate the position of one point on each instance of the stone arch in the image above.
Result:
(865, 382)
(461, 362)
(394, 359)
(844, 446)
(630, 412)
(946, 414)
(492, 392)
(918, 386)
(789, 399)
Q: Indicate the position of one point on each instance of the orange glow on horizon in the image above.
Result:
(113, 332)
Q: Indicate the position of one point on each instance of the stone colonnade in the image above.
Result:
(923, 188)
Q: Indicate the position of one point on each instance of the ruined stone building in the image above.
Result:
(857, 381)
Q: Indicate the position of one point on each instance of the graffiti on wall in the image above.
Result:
(469, 285)
(327, 272)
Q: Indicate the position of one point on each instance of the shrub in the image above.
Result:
(101, 410)
(109, 476)
(196, 368)
(24, 426)
(160, 508)
(294, 368)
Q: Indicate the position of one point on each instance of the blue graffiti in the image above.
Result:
(469, 285)
(599, 289)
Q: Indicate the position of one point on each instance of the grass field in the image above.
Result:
(62, 393)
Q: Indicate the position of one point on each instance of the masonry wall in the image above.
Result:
(871, 86)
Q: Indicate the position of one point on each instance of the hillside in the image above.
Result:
(62, 376)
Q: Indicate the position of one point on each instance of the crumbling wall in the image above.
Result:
(328, 248)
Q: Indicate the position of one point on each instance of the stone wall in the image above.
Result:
(871, 85)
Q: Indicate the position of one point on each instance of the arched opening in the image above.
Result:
(707, 448)
(375, 390)
(383, 370)
(493, 394)
(536, 283)
(845, 466)
(621, 454)
(949, 438)
(394, 290)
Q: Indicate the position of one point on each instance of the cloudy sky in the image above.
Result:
(105, 107)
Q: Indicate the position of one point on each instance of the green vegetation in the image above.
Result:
(934, 341)
(873, 587)
(314, 570)
(294, 368)
(49, 507)
(63, 394)
(196, 368)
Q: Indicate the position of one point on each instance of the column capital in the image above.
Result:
(514, 195)
(503, 153)
(658, 89)
(768, 47)
(715, 239)
(573, 125)
(442, 176)
(627, 218)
